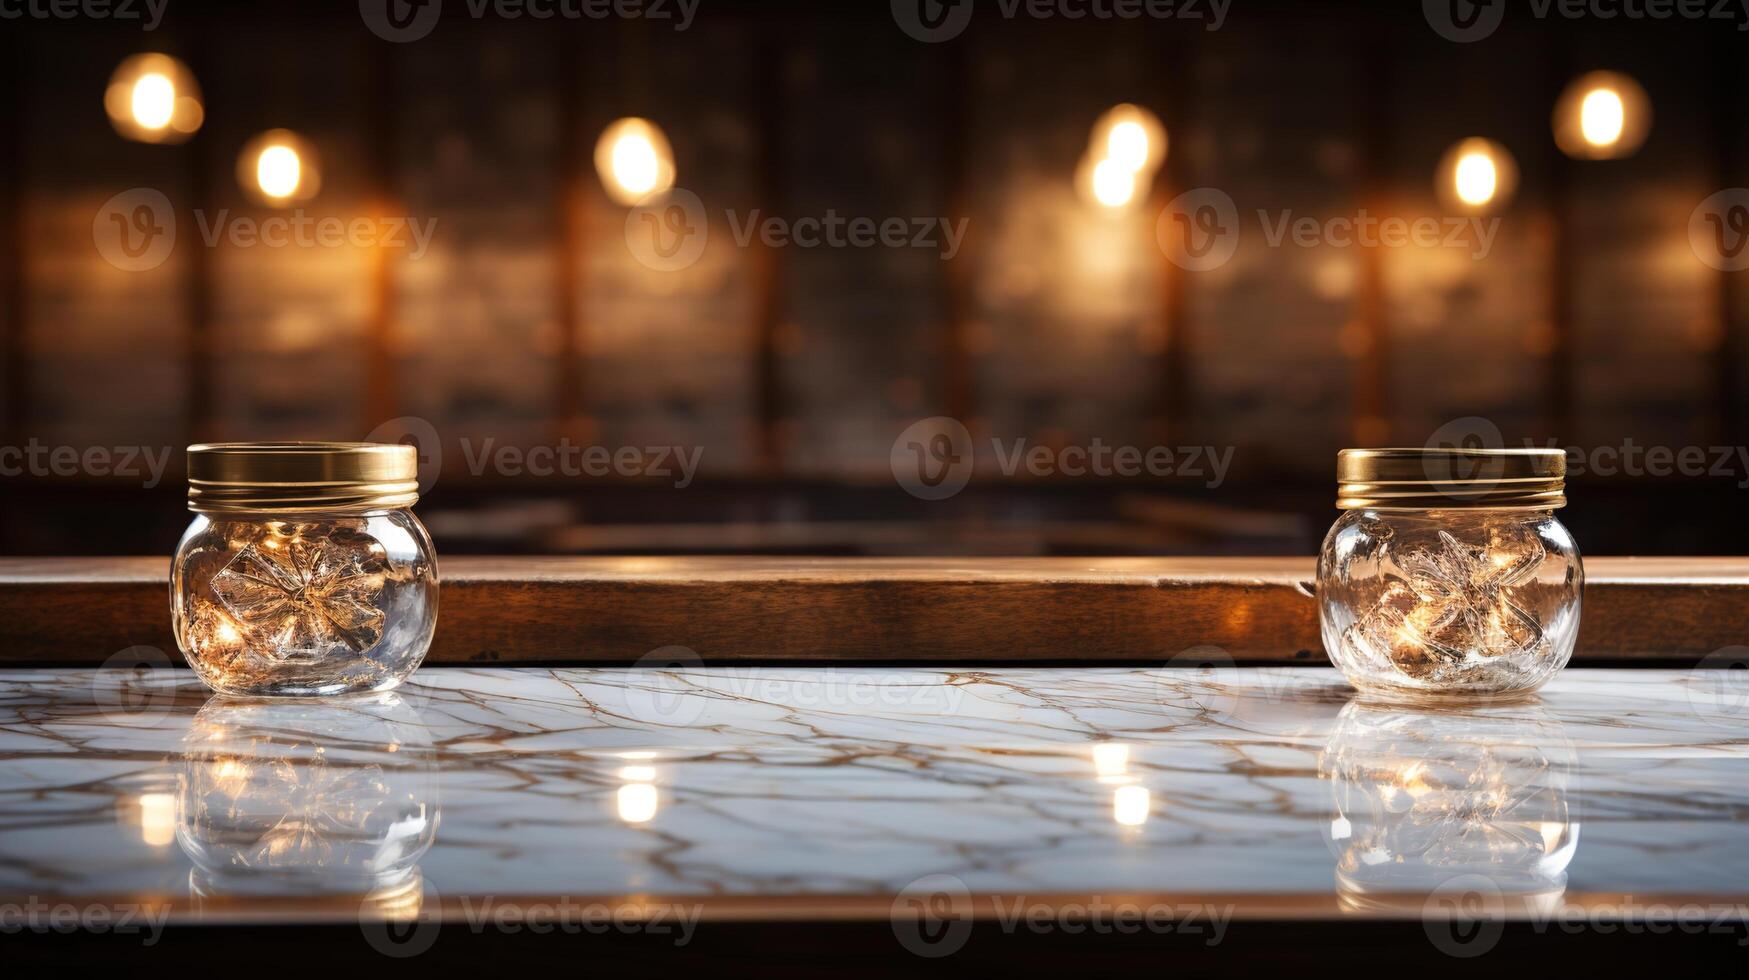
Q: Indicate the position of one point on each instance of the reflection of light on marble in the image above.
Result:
(1111, 761)
(157, 818)
(1130, 805)
(638, 774)
(638, 802)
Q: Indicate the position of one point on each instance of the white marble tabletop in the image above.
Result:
(774, 792)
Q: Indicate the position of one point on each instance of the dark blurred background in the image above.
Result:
(1594, 321)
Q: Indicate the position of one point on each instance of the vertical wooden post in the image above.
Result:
(1728, 89)
(768, 262)
(1557, 408)
(1176, 401)
(381, 401)
(958, 388)
(572, 164)
(1370, 422)
(15, 354)
(198, 343)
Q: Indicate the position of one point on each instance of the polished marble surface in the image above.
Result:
(772, 792)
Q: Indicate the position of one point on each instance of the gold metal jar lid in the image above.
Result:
(1443, 479)
(301, 477)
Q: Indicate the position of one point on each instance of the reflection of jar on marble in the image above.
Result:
(309, 798)
(1422, 799)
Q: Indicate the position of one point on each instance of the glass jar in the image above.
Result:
(304, 572)
(1448, 573)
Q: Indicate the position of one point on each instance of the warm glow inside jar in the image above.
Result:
(1448, 573)
(304, 572)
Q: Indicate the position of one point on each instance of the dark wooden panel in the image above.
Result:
(579, 610)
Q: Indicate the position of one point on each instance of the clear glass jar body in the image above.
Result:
(304, 605)
(1471, 601)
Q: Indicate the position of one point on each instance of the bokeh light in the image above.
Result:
(279, 167)
(1477, 175)
(1602, 115)
(153, 98)
(634, 160)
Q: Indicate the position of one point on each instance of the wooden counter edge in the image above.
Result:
(925, 610)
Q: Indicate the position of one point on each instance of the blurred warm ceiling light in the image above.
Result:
(634, 160)
(1603, 115)
(279, 167)
(1127, 147)
(1477, 175)
(1133, 138)
(153, 98)
(1111, 184)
